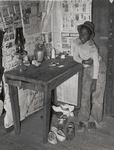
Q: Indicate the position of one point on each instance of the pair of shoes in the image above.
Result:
(70, 133)
(59, 133)
(62, 122)
(52, 138)
(64, 110)
(91, 126)
(81, 127)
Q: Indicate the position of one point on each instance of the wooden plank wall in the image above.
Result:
(103, 18)
(110, 64)
(100, 18)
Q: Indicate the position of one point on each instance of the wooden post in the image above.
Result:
(109, 110)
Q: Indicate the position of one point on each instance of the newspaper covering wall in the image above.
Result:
(26, 14)
(72, 14)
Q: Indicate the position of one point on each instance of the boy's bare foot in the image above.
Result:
(91, 126)
(100, 125)
(81, 127)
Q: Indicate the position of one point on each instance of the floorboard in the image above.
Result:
(31, 136)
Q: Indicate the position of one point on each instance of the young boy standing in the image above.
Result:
(86, 52)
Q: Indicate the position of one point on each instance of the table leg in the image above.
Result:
(54, 96)
(79, 89)
(46, 115)
(13, 92)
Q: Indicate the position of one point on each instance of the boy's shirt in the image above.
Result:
(86, 51)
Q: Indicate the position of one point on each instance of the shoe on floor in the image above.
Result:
(68, 107)
(57, 114)
(52, 138)
(59, 133)
(70, 131)
(62, 122)
(71, 114)
(59, 109)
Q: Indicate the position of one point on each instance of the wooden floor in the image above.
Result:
(31, 136)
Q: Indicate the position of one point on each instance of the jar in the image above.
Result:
(40, 55)
(39, 52)
(53, 53)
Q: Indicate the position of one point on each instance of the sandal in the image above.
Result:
(70, 133)
(52, 138)
(62, 121)
(81, 126)
(91, 126)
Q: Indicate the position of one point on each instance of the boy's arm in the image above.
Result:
(88, 62)
(76, 56)
(95, 58)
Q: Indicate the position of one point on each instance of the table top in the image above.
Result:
(46, 72)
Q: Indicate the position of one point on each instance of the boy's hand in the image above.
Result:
(88, 61)
(93, 85)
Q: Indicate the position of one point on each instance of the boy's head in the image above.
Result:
(86, 31)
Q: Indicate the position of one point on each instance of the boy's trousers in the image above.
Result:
(92, 106)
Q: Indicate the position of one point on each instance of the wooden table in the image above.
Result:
(44, 78)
